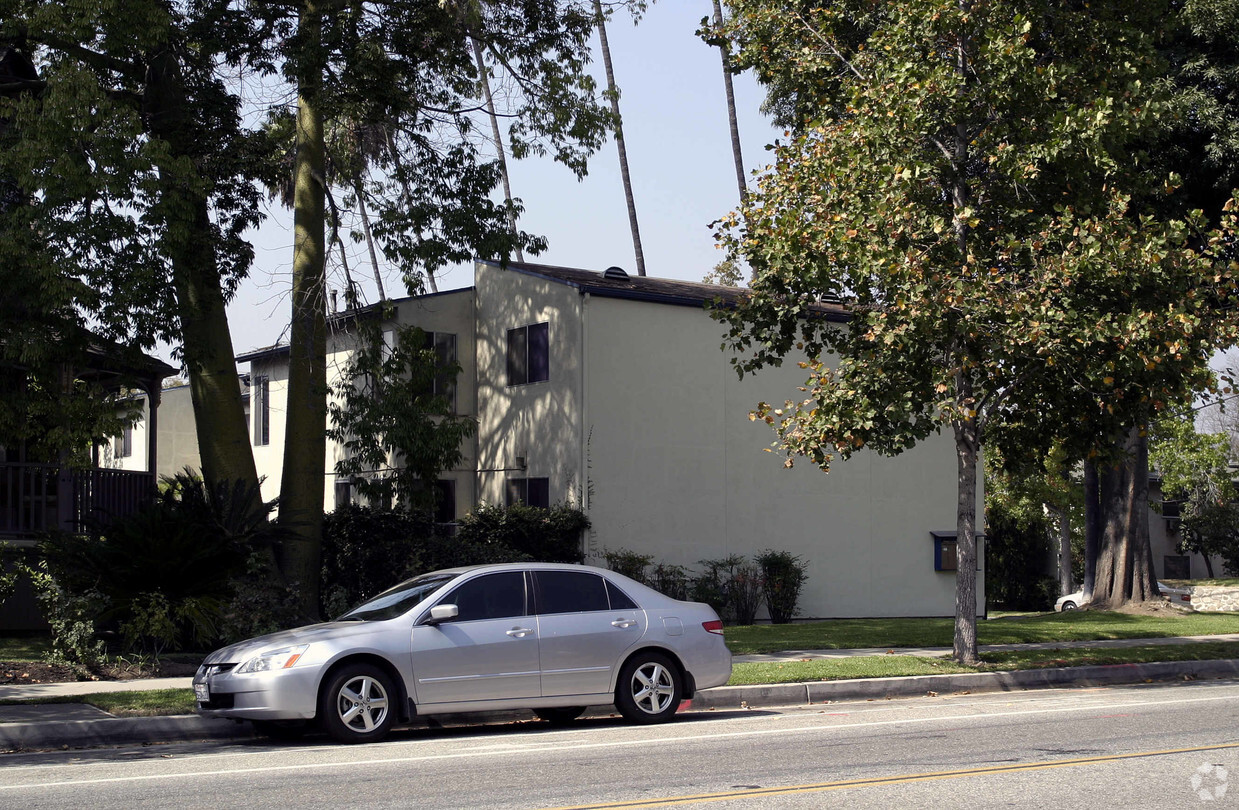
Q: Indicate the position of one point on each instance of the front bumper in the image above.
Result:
(288, 694)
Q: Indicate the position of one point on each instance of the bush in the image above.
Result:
(629, 563)
(671, 580)
(544, 535)
(71, 616)
(783, 574)
(367, 550)
(1018, 555)
(166, 572)
(732, 586)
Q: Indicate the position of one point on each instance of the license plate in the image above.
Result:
(202, 692)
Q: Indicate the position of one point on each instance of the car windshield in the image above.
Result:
(398, 600)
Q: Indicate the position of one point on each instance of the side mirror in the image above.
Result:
(441, 613)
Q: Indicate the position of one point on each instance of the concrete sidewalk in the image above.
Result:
(78, 725)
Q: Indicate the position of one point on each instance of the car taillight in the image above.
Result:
(715, 627)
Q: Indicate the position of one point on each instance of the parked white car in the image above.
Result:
(1073, 600)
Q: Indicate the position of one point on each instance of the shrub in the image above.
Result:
(732, 586)
(783, 574)
(544, 535)
(671, 580)
(166, 572)
(71, 616)
(629, 563)
(366, 551)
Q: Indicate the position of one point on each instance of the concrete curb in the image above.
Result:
(190, 728)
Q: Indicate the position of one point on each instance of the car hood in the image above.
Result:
(327, 631)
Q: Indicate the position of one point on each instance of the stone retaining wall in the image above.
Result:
(1214, 598)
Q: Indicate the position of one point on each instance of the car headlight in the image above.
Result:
(270, 660)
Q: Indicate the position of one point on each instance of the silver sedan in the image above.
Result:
(551, 638)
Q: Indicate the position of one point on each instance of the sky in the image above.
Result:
(679, 155)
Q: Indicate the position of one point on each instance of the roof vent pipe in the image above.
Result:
(615, 273)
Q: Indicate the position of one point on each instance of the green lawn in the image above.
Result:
(126, 704)
(1079, 625)
(24, 648)
(887, 666)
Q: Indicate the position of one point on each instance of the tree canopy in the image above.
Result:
(960, 175)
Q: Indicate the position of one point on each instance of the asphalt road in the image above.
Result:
(1135, 746)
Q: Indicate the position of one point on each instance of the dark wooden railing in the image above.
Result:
(37, 497)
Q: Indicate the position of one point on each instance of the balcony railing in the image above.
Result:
(36, 498)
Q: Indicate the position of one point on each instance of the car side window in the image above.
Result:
(619, 599)
(569, 592)
(492, 596)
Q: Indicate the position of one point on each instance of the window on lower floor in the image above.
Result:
(529, 491)
(1176, 566)
(445, 501)
(344, 492)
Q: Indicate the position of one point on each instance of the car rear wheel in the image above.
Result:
(649, 688)
(356, 704)
(1069, 606)
(559, 715)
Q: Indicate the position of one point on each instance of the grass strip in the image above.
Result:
(151, 703)
(890, 666)
(1078, 625)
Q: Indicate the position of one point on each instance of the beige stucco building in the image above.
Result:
(612, 393)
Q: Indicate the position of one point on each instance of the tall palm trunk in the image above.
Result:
(498, 138)
(613, 92)
(301, 491)
(737, 155)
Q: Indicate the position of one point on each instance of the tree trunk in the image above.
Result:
(1065, 585)
(613, 92)
(1092, 528)
(498, 138)
(215, 392)
(1125, 557)
(967, 451)
(301, 493)
(736, 154)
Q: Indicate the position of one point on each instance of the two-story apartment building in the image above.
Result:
(613, 393)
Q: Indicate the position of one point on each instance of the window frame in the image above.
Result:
(260, 404)
(529, 354)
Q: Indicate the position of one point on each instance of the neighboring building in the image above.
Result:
(38, 495)
(612, 393)
(1164, 537)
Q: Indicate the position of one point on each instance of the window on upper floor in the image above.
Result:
(443, 344)
(260, 404)
(529, 354)
(529, 491)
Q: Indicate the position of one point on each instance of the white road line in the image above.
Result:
(577, 746)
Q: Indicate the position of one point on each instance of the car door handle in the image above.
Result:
(623, 623)
(520, 632)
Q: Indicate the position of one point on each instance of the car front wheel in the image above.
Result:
(1069, 606)
(649, 688)
(356, 704)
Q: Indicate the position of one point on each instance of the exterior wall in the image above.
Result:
(269, 458)
(450, 312)
(1164, 537)
(178, 434)
(651, 431)
(540, 422)
(137, 458)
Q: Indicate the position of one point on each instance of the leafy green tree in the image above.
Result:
(135, 181)
(394, 415)
(950, 173)
(1195, 470)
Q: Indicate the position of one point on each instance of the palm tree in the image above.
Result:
(725, 52)
(498, 138)
(613, 92)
